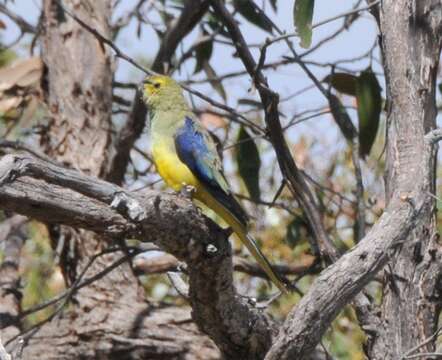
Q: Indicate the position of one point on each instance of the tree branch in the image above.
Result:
(53, 194)
(342, 281)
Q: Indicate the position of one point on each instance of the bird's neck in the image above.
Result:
(165, 122)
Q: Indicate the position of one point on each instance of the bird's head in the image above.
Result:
(160, 89)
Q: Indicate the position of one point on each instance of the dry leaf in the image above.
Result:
(212, 121)
(21, 73)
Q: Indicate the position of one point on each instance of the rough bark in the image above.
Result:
(411, 44)
(52, 194)
(13, 235)
(141, 331)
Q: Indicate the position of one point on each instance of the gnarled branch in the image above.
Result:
(54, 194)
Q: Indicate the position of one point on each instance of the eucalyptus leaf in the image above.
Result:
(249, 163)
(342, 82)
(369, 100)
(251, 12)
(302, 18)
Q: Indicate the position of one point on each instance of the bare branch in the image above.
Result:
(24, 26)
(167, 263)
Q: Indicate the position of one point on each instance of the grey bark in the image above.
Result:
(411, 38)
(57, 195)
(12, 237)
(411, 44)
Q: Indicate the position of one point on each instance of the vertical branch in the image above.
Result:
(411, 43)
(360, 213)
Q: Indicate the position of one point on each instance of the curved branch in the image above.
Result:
(52, 194)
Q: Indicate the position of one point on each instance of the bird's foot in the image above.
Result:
(187, 191)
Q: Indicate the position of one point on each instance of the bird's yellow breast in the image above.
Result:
(172, 170)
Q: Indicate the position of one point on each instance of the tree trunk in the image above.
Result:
(410, 34)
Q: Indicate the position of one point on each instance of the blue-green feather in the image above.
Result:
(193, 150)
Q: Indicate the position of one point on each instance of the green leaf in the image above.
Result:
(342, 82)
(203, 53)
(249, 163)
(369, 100)
(294, 235)
(250, 11)
(303, 16)
(341, 117)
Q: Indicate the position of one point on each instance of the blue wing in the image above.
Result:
(196, 149)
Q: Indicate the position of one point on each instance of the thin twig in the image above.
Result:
(359, 190)
(408, 354)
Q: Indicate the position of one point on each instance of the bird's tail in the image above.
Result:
(240, 229)
(253, 248)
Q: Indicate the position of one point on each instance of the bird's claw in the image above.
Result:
(187, 191)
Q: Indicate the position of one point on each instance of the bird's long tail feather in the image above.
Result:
(240, 230)
(254, 250)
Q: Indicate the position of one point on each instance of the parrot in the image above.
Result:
(186, 157)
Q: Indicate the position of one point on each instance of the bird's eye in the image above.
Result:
(157, 85)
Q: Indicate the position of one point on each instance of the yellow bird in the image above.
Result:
(185, 156)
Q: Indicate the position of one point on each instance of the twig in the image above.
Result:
(66, 295)
(359, 191)
(288, 167)
(408, 354)
(320, 23)
(21, 23)
(104, 40)
(78, 284)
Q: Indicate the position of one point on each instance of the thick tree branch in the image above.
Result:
(167, 262)
(411, 34)
(56, 195)
(338, 284)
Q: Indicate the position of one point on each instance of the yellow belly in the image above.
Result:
(172, 170)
